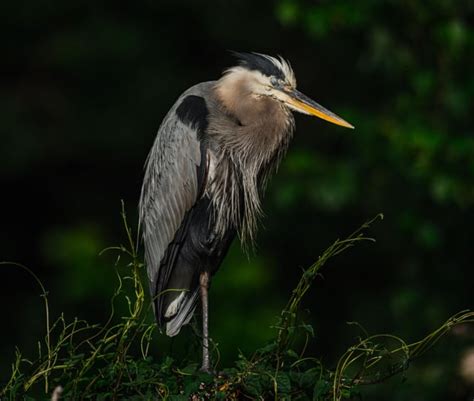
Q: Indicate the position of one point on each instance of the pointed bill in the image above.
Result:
(304, 104)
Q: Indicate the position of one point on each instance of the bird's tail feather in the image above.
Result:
(183, 311)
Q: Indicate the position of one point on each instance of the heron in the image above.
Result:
(205, 176)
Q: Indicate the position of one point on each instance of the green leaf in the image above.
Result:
(253, 386)
(283, 383)
(309, 377)
(321, 389)
(308, 328)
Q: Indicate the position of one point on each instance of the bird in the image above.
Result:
(205, 176)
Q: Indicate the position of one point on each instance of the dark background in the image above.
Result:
(85, 85)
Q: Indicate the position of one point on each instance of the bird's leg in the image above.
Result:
(204, 286)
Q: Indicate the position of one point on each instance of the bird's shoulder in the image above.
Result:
(189, 113)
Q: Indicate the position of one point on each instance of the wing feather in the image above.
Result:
(173, 183)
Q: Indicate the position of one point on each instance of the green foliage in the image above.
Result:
(413, 87)
(113, 361)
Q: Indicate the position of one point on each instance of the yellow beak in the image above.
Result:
(304, 104)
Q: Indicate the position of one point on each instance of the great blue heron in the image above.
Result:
(205, 174)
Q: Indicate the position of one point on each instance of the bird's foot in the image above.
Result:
(206, 369)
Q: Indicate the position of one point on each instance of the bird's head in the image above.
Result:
(264, 76)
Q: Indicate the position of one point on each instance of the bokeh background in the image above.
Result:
(84, 86)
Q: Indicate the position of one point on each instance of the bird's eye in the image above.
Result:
(274, 81)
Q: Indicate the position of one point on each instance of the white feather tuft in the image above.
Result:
(174, 306)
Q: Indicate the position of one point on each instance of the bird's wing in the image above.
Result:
(175, 176)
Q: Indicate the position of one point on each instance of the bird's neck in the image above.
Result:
(251, 135)
(234, 95)
(256, 112)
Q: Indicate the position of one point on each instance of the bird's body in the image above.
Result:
(205, 175)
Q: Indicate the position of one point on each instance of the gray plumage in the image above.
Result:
(170, 189)
(205, 175)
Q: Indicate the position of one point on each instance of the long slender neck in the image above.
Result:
(234, 91)
(251, 134)
(260, 117)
